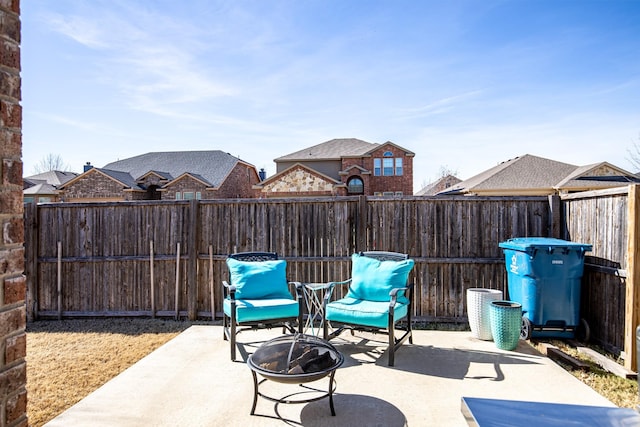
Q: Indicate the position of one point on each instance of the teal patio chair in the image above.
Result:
(378, 298)
(258, 295)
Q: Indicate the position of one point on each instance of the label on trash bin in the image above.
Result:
(514, 264)
(557, 262)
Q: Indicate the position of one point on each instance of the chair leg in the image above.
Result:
(232, 339)
(392, 339)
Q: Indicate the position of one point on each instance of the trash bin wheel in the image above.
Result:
(526, 328)
(583, 332)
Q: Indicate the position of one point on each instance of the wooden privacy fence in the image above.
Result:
(167, 258)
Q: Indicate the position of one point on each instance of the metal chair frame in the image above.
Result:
(393, 342)
(231, 327)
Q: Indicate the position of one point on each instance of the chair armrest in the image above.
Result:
(331, 286)
(229, 289)
(393, 293)
(299, 289)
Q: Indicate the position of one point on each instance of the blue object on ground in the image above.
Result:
(544, 276)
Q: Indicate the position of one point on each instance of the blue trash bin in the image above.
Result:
(544, 276)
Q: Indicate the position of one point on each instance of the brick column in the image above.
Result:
(13, 340)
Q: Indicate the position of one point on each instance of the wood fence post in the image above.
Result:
(177, 299)
(632, 305)
(554, 216)
(59, 280)
(153, 284)
(192, 278)
(211, 291)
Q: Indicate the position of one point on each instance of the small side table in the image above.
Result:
(314, 294)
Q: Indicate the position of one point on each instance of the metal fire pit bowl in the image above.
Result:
(295, 359)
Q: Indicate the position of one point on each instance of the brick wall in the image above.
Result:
(189, 184)
(93, 185)
(13, 340)
(402, 183)
(239, 183)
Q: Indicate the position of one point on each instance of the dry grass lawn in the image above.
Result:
(68, 359)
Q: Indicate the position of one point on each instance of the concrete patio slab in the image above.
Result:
(191, 381)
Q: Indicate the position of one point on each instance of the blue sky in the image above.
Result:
(463, 84)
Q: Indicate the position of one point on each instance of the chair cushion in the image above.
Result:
(259, 279)
(248, 310)
(373, 279)
(367, 313)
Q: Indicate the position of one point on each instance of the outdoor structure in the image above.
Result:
(13, 340)
(536, 176)
(342, 167)
(43, 187)
(178, 175)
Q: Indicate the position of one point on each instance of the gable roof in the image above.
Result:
(295, 167)
(54, 178)
(526, 172)
(439, 185)
(597, 175)
(40, 189)
(334, 149)
(212, 166)
(123, 178)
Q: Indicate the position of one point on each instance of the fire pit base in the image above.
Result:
(290, 397)
(295, 359)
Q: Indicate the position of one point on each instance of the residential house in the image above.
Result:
(342, 167)
(43, 187)
(179, 175)
(530, 175)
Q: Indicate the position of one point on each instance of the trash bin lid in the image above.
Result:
(525, 244)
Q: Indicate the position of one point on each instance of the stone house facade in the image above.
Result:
(342, 167)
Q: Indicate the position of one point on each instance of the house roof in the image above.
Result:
(40, 189)
(597, 175)
(212, 166)
(54, 178)
(334, 149)
(122, 177)
(125, 178)
(531, 174)
(521, 173)
(289, 170)
(438, 186)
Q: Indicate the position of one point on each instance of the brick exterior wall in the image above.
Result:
(239, 183)
(187, 183)
(13, 339)
(402, 183)
(94, 186)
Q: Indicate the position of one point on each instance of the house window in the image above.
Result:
(355, 186)
(398, 166)
(188, 195)
(178, 196)
(198, 195)
(377, 167)
(388, 165)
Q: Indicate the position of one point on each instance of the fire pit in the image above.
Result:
(295, 359)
